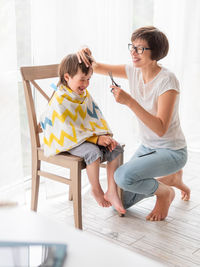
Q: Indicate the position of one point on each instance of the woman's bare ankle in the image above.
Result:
(162, 190)
(165, 195)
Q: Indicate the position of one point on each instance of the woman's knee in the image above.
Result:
(122, 178)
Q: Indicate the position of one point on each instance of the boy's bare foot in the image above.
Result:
(162, 205)
(113, 198)
(99, 197)
(177, 181)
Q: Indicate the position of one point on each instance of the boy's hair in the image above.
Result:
(70, 65)
(156, 40)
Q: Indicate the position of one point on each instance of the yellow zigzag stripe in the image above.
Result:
(50, 102)
(104, 127)
(83, 128)
(62, 87)
(95, 125)
(62, 97)
(62, 135)
(66, 113)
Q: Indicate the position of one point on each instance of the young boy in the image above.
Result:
(74, 123)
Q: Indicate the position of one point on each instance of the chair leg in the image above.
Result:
(35, 183)
(75, 173)
(120, 191)
(70, 193)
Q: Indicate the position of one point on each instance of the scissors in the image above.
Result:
(113, 82)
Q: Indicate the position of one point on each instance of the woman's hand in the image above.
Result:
(107, 141)
(100, 68)
(120, 95)
(82, 57)
(158, 123)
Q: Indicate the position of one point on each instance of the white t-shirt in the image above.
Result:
(147, 96)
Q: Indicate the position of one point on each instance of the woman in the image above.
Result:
(154, 99)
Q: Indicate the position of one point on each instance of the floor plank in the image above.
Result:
(174, 241)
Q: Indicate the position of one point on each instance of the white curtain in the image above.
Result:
(47, 30)
(10, 142)
(180, 20)
(104, 26)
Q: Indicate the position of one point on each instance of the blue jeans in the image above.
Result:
(137, 176)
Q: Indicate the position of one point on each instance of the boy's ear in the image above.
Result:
(66, 77)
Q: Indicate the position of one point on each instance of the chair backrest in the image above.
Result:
(29, 75)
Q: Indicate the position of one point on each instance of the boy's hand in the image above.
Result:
(82, 57)
(107, 141)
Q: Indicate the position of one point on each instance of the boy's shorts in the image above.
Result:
(91, 152)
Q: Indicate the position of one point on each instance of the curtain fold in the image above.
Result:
(10, 142)
(48, 30)
(105, 27)
(180, 20)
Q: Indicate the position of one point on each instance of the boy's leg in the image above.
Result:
(92, 156)
(112, 195)
(93, 176)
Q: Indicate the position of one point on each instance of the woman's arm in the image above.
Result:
(100, 68)
(117, 70)
(158, 123)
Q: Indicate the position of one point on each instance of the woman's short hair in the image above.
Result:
(156, 40)
(70, 65)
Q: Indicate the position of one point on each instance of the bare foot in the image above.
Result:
(113, 198)
(99, 197)
(162, 205)
(177, 181)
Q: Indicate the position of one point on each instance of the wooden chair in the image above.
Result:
(75, 164)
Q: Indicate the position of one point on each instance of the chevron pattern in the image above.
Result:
(54, 86)
(66, 113)
(46, 121)
(93, 113)
(60, 140)
(94, 126)
(67, 97)
(72, 119)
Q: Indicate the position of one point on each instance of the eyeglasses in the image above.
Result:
(138, 49)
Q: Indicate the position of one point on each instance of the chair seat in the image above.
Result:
(63, 159)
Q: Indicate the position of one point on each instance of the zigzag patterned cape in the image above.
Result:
(69, 120)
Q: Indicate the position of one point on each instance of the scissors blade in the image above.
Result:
(111, 77)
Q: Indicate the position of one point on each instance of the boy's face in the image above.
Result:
(79, 82)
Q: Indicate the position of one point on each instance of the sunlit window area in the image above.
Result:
(41, 33)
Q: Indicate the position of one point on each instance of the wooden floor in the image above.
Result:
(174, 242)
